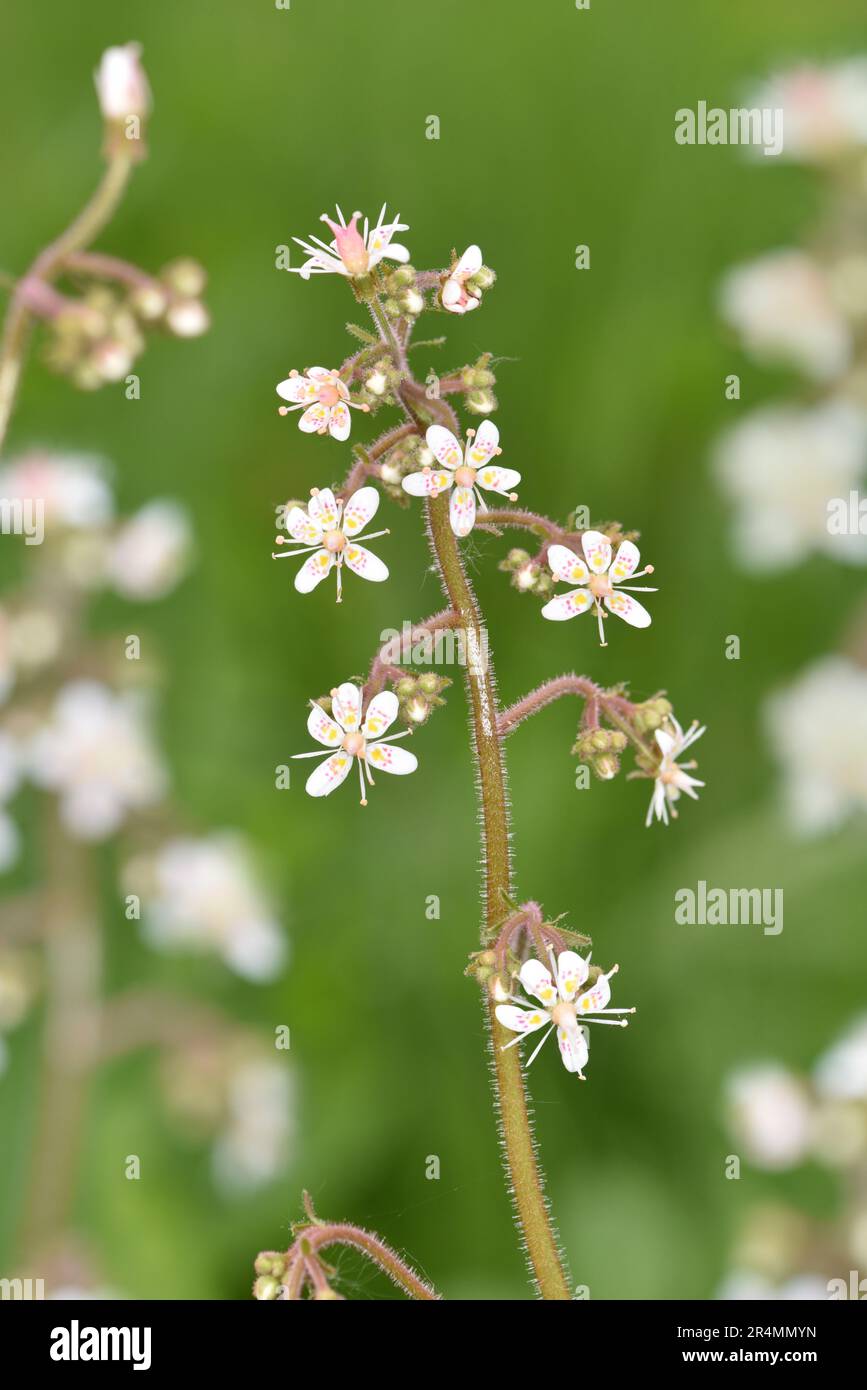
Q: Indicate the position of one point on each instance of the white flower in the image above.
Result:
(467, 468)
(782, 307)
(150, 551)
(746, 1284)
(254, 1146)
(331, 531)
(72, 488)
(96, 753)
(841, 1073)
(454, 294)
(818, 729)
(351, 253)
(600, 575)
(782, 466)
(355, 738)
(770, 1115)
(824, 108)
(562, 1006)
(205, 894)
(670, 778)
(324, 399)
(10, 778)
(121, 84)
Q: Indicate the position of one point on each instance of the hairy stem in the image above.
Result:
(313, 1239)
(546, 694)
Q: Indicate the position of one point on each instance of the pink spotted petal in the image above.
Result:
(597, 551)
(323, 728)
(315, 568)
(346, 707)
(536, 979)
(625, 563)
(314, 419)
(484, 445)
(521, 1020)
(573, 1048)
(390, 757)
(329, 774)
(462, 511)
(323, 508)
(498, 479)
(364, 563)
(595, 998)
(628, 608)
(572, 971)
(339, 423)
(381, 714)
(445, 448)
(302, 528)
(566, 565)
(359, 510)
(428, 483)
(567, 605)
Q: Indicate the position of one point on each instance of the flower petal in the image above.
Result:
(568, 605)
(629, 609)
(596, 997)
(521, 1020)
(339, 423)
(536, 979)
(462, 511)
(388, 757)
(625, 563)
(428, 483)
(346, 706)
(597, 551)
(572, 971)
(365, 564)
(314, 419)
(360, 508)
(498, 479)
(329, 774)
(483, 445)
(444, 447)
(573, 1048)
(469, 263)
(566, 565)
(323, 728)
(297, 389)
(381, 714)
(315, 568)
(323, 508)
(302, 528)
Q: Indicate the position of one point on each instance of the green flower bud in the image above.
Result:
(606, 766)
(266, 1289)
(480, 402)
(405, 687)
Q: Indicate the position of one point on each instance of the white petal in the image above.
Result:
(625, 563)
(567, 605)
(359, 510)
(381, 714)
(323, 728)
(364, 563)
(462, 511)
(296, 389)
(566, 565)
(629, 609)
(346, 706)
(314, 419)
(444, 447)
(469, 263)
(329, 774)
(303, 528)
(484, 445)
(597, 997)
(323, 508)
(536, 979)
(498, 479)
(339, 422)
(597, 551)
(521, 1020)
(572, 971)
(573, 1048)
(315, 568)
(390, 757)
(427, 484)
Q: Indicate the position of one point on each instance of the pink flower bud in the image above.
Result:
(121, 84)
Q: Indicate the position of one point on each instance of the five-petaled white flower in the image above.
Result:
(323, 397)
(454, 294)
(600, 575)
(671, 778)
(466, 468)
(330, 530)
(562, 1006)
(355, 737)
(351, 253)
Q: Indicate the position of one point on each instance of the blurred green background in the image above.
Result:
(556, 129)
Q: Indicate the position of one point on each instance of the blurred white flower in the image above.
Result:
(746, 1284)
(205, 894)
(841, 1072)
(254, 1146)
(781, 467)
(824, 108)
(818, 730)
(150, 552)
(10, 778)
(96, 752)
(782, 307)
(770, 1115)
(73, 487)
(121, 84)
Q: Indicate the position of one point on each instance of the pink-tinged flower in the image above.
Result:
(355, 738)
(671, 778)
(331, 530)
(784, 309)
(465, 467)
(454, 294)
(351, 253)
(324, 399)
(600, 576)
(566, 1006)
(121, 84)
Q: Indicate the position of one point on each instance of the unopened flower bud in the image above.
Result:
(606, 766)
(377, 384)
(405, 687)
(187, 318)
(431, 684)
(266, 1289)
(411, 302)
(186, 277)
(121, 84)
(480, 402)
(149, 302)
(416, 709)
(483, 279)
